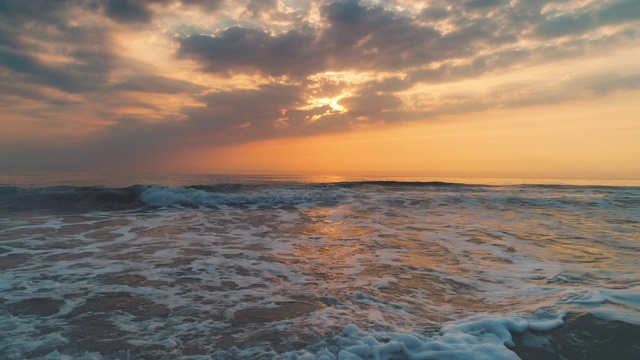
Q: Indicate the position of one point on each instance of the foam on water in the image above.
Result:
(172, 196)
(608, 304)
(305, 271)
(484, 337)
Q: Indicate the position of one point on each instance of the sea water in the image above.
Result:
(317, 268)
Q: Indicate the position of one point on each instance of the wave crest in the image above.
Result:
(163, 196)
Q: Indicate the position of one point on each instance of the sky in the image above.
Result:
(467, 88)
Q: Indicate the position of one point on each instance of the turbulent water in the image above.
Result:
(319, 270)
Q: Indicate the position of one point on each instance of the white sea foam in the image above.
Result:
(608, 304)
(588, 297)
(483, 337)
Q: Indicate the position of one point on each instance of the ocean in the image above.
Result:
(273, 267)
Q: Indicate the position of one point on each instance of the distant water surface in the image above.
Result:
(111, 180)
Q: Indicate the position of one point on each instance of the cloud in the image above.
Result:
(589, 17)
(620, 11)
(603, 84)
(248, 113)
(158, 84)
(37, 71)
(127, 11)
(131, 12)
(255, 7)
(208, 5)
(14, 93)
(46, 11)
(370, 104)
(372, 38)
(363, 38)
(355, 37)
(238, 49)
(567, 25)
(262, 69)
(484, 3)
(37, 32)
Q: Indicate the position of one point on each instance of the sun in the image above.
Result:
(332, 102)
(337, 107)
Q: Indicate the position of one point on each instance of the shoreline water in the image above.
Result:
(288, 270)
(582, 336)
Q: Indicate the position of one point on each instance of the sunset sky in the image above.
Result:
(520, 88)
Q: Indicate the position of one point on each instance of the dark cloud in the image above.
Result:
(567, 25)
(159, 84)
(364, 38)
(435, 12)
(589, 18)
(36, 71)
(42, 10)
(345, 11)
(35, 31)
(209, 5)
(140, 11)
(357, 37)
(620, 11)
(360, 37)
(127, 11)
(69, 78)
(484, 3)
(240, 49)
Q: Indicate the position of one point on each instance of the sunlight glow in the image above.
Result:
(333, 102)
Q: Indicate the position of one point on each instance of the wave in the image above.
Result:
(482, 337)
(65, 199)
(78, 199)
(205, 196)
(70, 199)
